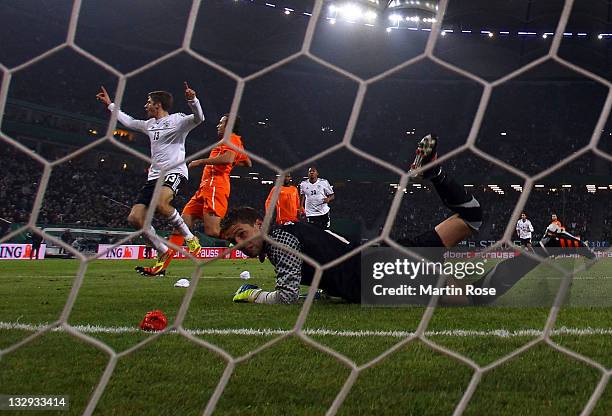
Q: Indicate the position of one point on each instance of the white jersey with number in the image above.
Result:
(524, 228)
(315, 193)
(167, 136)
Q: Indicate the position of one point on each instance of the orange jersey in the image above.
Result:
(287, 206)
(218, 175)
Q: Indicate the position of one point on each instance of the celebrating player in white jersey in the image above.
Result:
(167, 133)
(315, 194)
(524, 230)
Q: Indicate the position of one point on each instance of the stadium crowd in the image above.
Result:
(89, 192)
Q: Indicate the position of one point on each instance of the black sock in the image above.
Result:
(455, 197)
(503, 276)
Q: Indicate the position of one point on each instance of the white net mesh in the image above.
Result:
(298, 329)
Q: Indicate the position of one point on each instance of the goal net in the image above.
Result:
(519, 103)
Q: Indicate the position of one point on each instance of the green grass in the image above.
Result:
(174, 376)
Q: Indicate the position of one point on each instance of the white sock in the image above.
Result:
(157, 242)
(178, 223)
(270, 298)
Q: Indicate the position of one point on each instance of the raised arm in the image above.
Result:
(224, 158)
(122, 117)
(192, 101)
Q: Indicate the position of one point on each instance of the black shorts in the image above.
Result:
(174, 181)
(525, 241)
(427, 239)
(321, 221)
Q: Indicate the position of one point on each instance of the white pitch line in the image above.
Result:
(499, 333)
(135, 275)
(72, 276)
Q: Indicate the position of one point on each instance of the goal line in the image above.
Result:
(467, 333)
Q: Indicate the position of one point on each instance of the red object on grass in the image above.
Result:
(154, 321)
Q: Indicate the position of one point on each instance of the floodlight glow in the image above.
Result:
(287, 11)
(351, 12)
(490, 34)
(388, 30)
(545, 36)
(333, 8)
(443, 33)
(395, 17)
(332, 21)
(370, 15)
(599, 36)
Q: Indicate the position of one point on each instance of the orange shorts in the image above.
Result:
(207, 201)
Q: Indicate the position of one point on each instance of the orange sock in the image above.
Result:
(177, 239)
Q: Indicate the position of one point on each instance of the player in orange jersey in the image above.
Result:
(288, 203)
(556, 236)
(555, 221)
(209, 203)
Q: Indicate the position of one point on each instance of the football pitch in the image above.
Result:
(174, 375)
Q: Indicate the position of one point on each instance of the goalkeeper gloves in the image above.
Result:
(247, 293)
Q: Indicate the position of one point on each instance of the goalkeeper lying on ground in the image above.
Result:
(343, 280)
